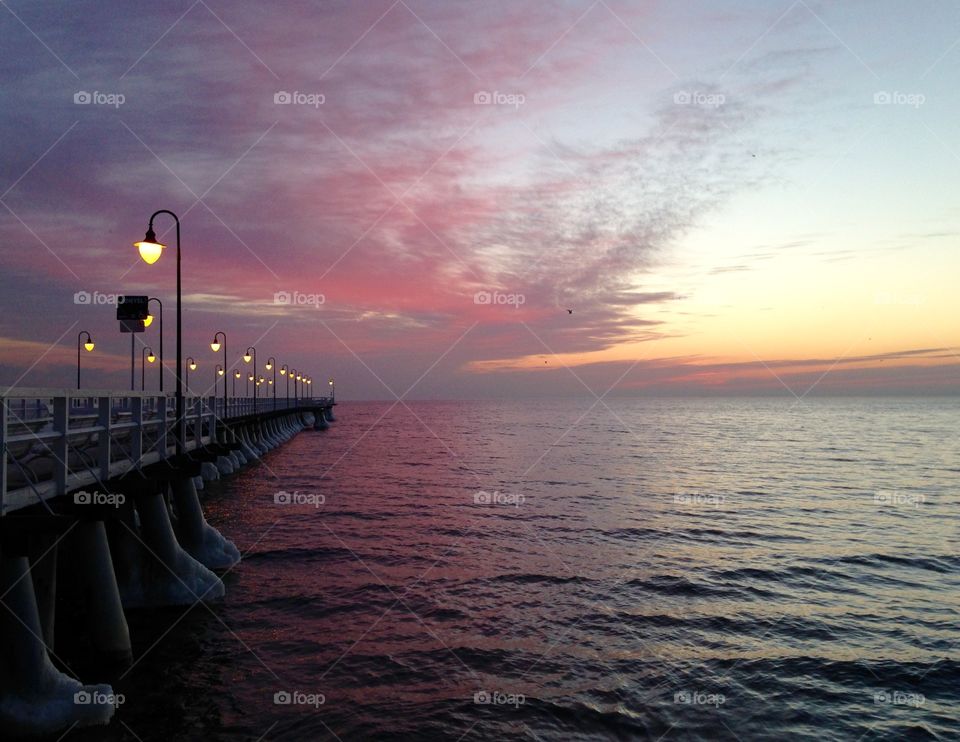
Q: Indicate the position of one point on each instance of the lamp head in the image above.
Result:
(219, 371)
(150, 249)
(150, 356)
(148, 321)
(193, 365)
(237, 375)
(247, 357)
(269, 365)
(89, 346)
(214, 346)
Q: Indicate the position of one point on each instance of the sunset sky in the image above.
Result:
(731, 197)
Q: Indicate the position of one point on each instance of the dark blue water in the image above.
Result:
(696, 569)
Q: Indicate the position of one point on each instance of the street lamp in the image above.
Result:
(151, 250)
(236, 376)
(333, 393)
(293, 374)
(149, 321)
(191, 366)
(215, 346)
(148, 352)
(88, 346)
(272, 364)
(249, 379)
(251, 352)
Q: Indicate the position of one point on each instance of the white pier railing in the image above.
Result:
(55, 440)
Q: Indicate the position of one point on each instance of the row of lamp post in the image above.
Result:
(301, 381)
(151, 249)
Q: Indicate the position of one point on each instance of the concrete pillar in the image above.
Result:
(200, 540)
(108, 624)
(209, 471)
(225, 466)
(170, 575)
(328, 413)
(43, 572)
(246, 448)
(35, 697)
(320, 423)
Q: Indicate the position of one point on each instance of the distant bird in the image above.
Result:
(569, 311)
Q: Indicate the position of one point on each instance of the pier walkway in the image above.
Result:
(98, 498)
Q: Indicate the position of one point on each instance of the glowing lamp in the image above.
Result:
(150, 249)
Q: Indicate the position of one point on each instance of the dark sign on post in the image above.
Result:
(131, 325)
(132, 308)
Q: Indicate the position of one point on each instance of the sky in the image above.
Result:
(444, 199)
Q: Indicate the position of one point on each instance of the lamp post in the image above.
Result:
(236, 376)
(293, 375)
(251, 352)
(88, 346)
(151, 250)
(148, 352)
(191, 365)
(272, 364)
(149, 321)
(333, 393)
(219, 372)
(215, 346)
(283, 373)
(249, 379)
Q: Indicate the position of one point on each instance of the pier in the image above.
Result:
(95, 490)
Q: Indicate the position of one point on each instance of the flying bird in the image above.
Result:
(569, 311)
